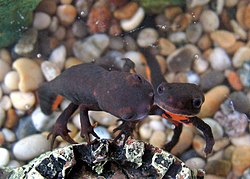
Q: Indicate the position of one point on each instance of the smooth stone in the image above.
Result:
(41, 21)
(58, 56)
(244, 74)
(102, 132)
(91, 48)
(213, 99)
(209, 20)
(14, 164)
(54, 24)
(240, 102)
(12, 118)
(47, 6)
(145, 131)
(5, 103)
(11, 80)
(147, 37)
(1, 92)
(217, 130)
(198, 144)
(238, 30)
(66, 14)
(166, 47)
(126, 11)
(156, 125)
(76, 121)
(5, 157)
(200, 65)
(5, 55)
(195, 162)
(158, 138)
(221, 144)
(243, 140)
(25, 127)
(178, 38)
(241, 159)
(116, 43)
(4, 69)
(231, 3)
(211, 79)
(2, 116)
(228, 152)
(130, 43)
(219, 59)
(134, 21)
(31, 147)
(241, 55)
(103, 118)
(193, 78)
(71, 61)
(22, 100)
(223, 38)
(30, 74)
(191, 153)
(79, 29)
(50, 70)
(194, 3)
(8, 135)
(218, 167)
(194, 32)
(215, 156)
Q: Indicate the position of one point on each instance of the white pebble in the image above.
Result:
(5, 103)
(103, 118)
(217, 130)
(4, 69)
(231, 3)
(64, 104)
(241, 55)
(41, 20)
(133, 22)
(195, 162)
(22, 100)
(219, 6)
(31, 147)
(147, 37)
(9, 135)
(11, 80)
(200, 65)
(102, 132)
(157, 125)
(58, 56)
(50, 70)
(145, 131)
(14, 164)
(219, 59)
(243, 140)
(54, 24)
(209, 20)
(5, 157)
(76, 120)
(238, 30)
(178, 37)
(2, 116)
(194, 3)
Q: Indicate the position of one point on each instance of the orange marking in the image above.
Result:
(175, 118)
(56, 103)
(148, 73)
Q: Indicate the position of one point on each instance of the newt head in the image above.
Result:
(129, 97)
(179, 98)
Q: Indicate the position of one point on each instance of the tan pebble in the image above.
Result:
(30, 74)
(172, 11)
(4, 69)
(213, 100)
(239, 31)
(5, 55)
(66, 1)
(243, 140)
(199, 145)
(208, 176)
(5, 102)
(71, 61)
(145, 131)
(126, 11)
(231, 3)
(209, 20)
(78, 137)
(218, 167)
(204, 42)
(207, 53)
(196, 12)
(240, 15)
(185, 140)
(232, 49)
(162, 62)
(11, 80)
(60, 33)
(66, 14)
(220, 144)
(246, 17)
(228, 152)
(2, 139)
(166, 47)
(181, 22)
(215, 156)
(47, 6)
(158, 138)
(22, 100)
(241, 55)
(200, 65)
(12, 119)
(241, 159)
(223, 38)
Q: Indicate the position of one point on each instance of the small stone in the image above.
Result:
(60, 33)
(5, 103)
(71, 61)
(218, 167)
(22, 100)
(58, 56)
(166, 47)
(31, 147)
(244, 74)
(234, 80)
(194, 32)
(243, 140)
(145, 131)
(194, 3)
(4, 69)
(79, 29)
(199, 145)
(247, 17)
(11, 80)
(102, 132)
(133, 22)
(193, 78)
(14, 164)
(11, 119)
(178, 38)
(219, 59)
(241, 159)
(221, 144)
(25, 127)
(47, 6)
(211, 79)
(66, 14)
(215, 156)
(209, 20)
(30, 74)
(213, 100)
(195, 162)
(76, 121)
(1, 92)
(8, 135)
(223, 38)
(246, 174)
(227, 155)
(200, 65)
(240, 101)
(2, 139)
(231, 3)
(103, 118)
(54, 24)
(158, 138)
(5, 157)
(216, 128)
(41, 21)
(116, 43)
(242, 55)
(238, 30)
(5, 55)
(156, 125)
(66, 1)
(50, 70)
(115, 28)
(127, 11)
(91, 48)
(2, 117)
(204, 42)
(181, 22)
(147, 37)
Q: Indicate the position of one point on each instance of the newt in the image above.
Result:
(89, 86)
(179, 103)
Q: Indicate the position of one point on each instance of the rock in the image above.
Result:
(79, 29)
(234, 80)
(240, 101)
(158, 138)
(22, 100)
(247, 17)
(231, 3)
(5, 103)
(209, 20)
(218, 167)
(134, 21)
(102, 132)
(50, 70)
(14, 164)
(5, 55)
(30, 74)
(166, 47)
(216, 128)
(66, 14)
(5, 157)
(238, 30)
(147, 37)
(219, 59)
(127, 11)
(195, 162)
(130, 43)
(11, 80)
(213, 100)
(145, 131)
(242, 55)
(178, 38)
(9, 135)
(12, 119)
(58, 56)
(47, 6)
(194, 32)
(223, 38)
(91, 48)
(71, 61)
(243, 140)
(194, 3)
(156, 125)
(41, 21)
(221, 144)
(244, 74)
(31, 147)
(54, 24)
(25, 127)
(1, 92)
(4, 69)
(239, 161)
(116, 43)
(199, 145)
(204, 42)
(200, 65)
(2, 117)
(211, 79)
(103, 118)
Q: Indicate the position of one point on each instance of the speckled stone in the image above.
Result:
(218, 167)
(147, 37)
(239, 161)
(5, 157)
(22, 100)
(50, 70)
(209, 20)
(210, 79)
(219, 59)
(4, 69)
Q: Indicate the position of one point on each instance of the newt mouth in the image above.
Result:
(180, 112)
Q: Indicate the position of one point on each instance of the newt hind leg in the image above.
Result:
(60, 127)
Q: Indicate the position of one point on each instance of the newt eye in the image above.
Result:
(160, 89)
(197, 102)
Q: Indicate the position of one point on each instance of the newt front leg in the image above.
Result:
(177, 132)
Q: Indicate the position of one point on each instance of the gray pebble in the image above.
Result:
(130, 43)
(178, 38)
(209, 20)
(79, 29)
(219, 59)
(25, 127)
(41, 20)
(217, 130)
(194, 32)
(54, 24)
(9, 135)
(147, 37)
(195, 162)
(58, 56)
(240, 101)
(244, 74)
(211, 79)
(116, 43)
(5, 157)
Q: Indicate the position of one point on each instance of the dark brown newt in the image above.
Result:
(91, 87)
(179, 103)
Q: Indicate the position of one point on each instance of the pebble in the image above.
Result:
(1, 92)
(247, 17)
(218, 167)
(53, 24)
(209, 20)
(25, 127)
(166, 47)
(5, 157)
(30, 74)
(41, 21)
(76, 120)
(239, 161)
(231, 3)
(238, 30)
(145, 131)
(116, 43)
(210, 79)
(9, 135)
(5, 55)
(11, 80)
(47, 6)
(195, 162)
(91, 48)
(194, 3)
(213, 99)
(193, 78)
(50, 70)
(130, 43)
(134, 21)
(188, 154)
(216, 156)
(219, 59)
(243, 140)
(60, 33)
(223, 38)
(221, 144)
(200, 65)
(227, 155)
(102, 132)
(5, 102)
(103, 118)
(58, 56)
(158, 138)
(242, 55)
(198, 144)
(181, 59)
(204, 42)
(244, 74)
(2, 116)
(217, 130)
(31, 147)
(22, 100)
(71, 61)
(234, 80)
(178, 38)
(66, 14)
(127, 11)
(11, 119)
(194, 32)
(79, 29)
(4, 69)
(156, 125)
(147, 37)
(14, 164)
(240, 101)
(246, 174)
